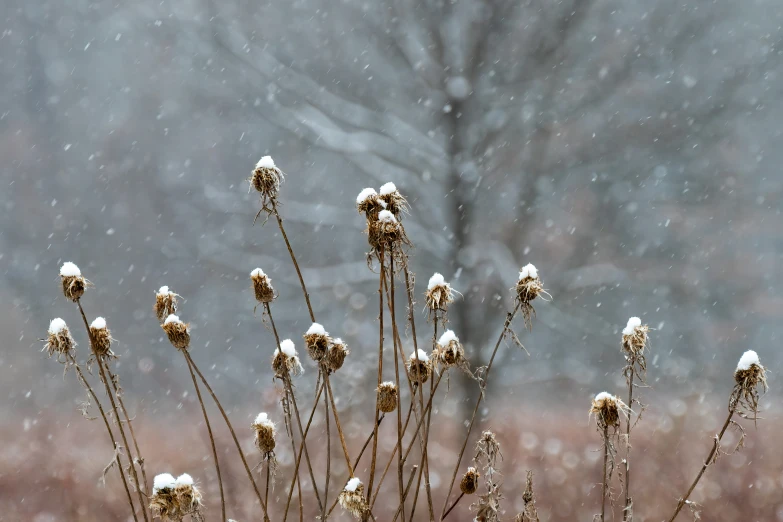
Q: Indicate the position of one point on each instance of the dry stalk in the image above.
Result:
(380, 376)
(397, 384)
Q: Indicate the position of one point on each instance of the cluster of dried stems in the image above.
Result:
(408, 395)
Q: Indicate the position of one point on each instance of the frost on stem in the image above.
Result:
(285, 361)
(351, 498)
(73, 283)
(750, 380)
(388, 397)
(317, 342)
(165, 303)
(266, 179)
(419, 366)
(173, 499)
(438, 297)
(177, 332)
(101, 339)
(59, 340)
(262, 286)
(529, 286)
(335, 358)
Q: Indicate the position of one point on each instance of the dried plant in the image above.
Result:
(165, 303)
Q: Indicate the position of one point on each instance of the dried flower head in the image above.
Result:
(338, 351)
(470, 480)
(74, 284)
(439, 295)
(488, 449)
(352, 498)
(262, 286)
(388, 397)
(317, 341)
(285, 361)
(177, 332)
(530, 514)
(635, 337)
(265, 433)
(750, 379)
(59, 340)
(369, 203)
(385, 232)
(101, 338)
(165, 303)
(419, 366)
(607, 409)
(449, 349)
(188, 496)
(529, 286)
(163, 501)
(395, 202)
(266, 179)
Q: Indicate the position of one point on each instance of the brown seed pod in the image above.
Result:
(450, 351)
(163, 501)
(262, 286)
(635, 337)
(469, 483)
(265, 433)
(369, 203)
(165, 303)
(439, 295)
(388, 397)
(607, 409)
(101, 338)
(394, 201)
(351, 498)
(177, 331)
(528, 287)
(73, 283)
(419, 367)
(750, 379)
(187, 495)
(385, 232)
(317, 341)
(285, 361)
(59, 340)
(266, 179)
(338, 351)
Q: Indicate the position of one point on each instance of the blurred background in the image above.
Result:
(630, 150)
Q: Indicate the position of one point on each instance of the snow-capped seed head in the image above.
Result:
(450, 352)
(101, 338)
(188, 497)
(528, 287)
(750, 379)
(529, 271)
(385, 216)
(748, 359)
(633, 323)
(165, 303)
(351, 498)
(447, 338)
(285, 361)
(439, 295)
(469, 483)
(163, 481)
(338, 351)
(365, 196)
(266, 179)
(436, 280)
(388, 397)
(288, 348)
(634, 341)
(262, 286)
(419, 366)
(72, 281)
(488, 448)
(392, 199)
(317, 342)
(177, 332)
(184, 479)
(387, 188)
(265, 433)
(607, 409)
(59, 340)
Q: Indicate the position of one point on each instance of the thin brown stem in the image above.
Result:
(211, 438)
(454, 504)
(710, 459)
(117, 418)
(231, 430)
(338, 425)
(627, 509)
(604, 484)
(506, 324)
(266, 493)
(400, 486)
(328, 459)
(293, 258)
(407, 490)
(92, 393)
(367, 442)
(380, 377)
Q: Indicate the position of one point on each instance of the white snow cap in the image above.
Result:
(605, 395)
(388, 383)
(447, 337)
(633, 322)
(56, 326)
(184, 480)
(365, 194)
(435, 280)
(420, 355)
(287, 347)
(98, 323)
(172, 319)
(353, 484)
(163, 481)
(747, 360)
(164, 290)
(266, 162)
(263, 419)
(337, 341)
(70, 270)
(388, 188)
(386, 216)
(529, 270)
(257, 273)
(316, 329)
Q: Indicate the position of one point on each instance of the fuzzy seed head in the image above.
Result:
(73, 283)
(607, 409)
(59, 341)
(449, 349)
(317, 342)
(177, 332)
(285, 360)
(165, 303)
(419, 367)
(369, 203)
(265, 433)
(266, 179)
(262, 286)
(439, 294)
(338, 351)
(528, 287)
(634, 338)
(388, 397)
(470, 480)
(101, 338)
(394, 202)
(351, 498)
(750, 379)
